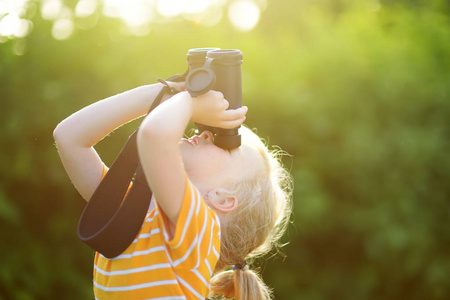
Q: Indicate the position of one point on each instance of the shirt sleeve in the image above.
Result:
(196, 231)
(105, 170)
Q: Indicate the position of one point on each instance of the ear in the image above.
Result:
(222, 201)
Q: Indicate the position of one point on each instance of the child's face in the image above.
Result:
(210, 166)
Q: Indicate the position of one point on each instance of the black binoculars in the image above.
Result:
(219, 70)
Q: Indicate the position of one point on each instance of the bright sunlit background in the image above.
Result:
(137, 15)
(357, 91)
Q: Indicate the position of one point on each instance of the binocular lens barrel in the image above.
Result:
(220, 70)
(196, 57)
(226, 65)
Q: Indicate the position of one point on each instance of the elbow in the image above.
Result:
(151, 134)
(144, 139)
(149, 130)
(58, 133)
(146, 134)
(61, 134)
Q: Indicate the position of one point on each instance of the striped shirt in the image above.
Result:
(155, 267)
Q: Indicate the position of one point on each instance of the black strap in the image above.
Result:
(109, 224)
(110, 221)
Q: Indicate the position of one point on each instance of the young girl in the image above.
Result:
(214, 209)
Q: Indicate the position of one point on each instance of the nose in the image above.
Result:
(207, 136)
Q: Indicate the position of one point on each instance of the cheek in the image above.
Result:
(207, 160)
(195, 158)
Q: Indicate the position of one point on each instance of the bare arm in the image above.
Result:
(158, 139)
(76, 135)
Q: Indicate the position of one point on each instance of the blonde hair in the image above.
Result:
(255, 227)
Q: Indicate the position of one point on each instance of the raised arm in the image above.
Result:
(76, 135)
(158, 143)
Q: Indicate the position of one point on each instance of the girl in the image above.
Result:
(215, 209)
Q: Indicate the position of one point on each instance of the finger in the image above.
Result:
(234, 114)
(232, 124)
(215, 93)
(181, 86)
(225, 104)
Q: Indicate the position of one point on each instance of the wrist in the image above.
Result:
(147, 95)
(168, 121)
(151, 90)
(189, 104)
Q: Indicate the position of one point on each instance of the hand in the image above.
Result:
(211, 109)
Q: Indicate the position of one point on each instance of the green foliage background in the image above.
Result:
(359, 97)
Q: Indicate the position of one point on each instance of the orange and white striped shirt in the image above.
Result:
(155, 267)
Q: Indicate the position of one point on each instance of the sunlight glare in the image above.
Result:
(135, 13)
(196, 6)
(244, 14)
(170, 8)
(16, 7)
(51, 9)
(62, 29)
(111, 8)
(12, 25)
(85, 8)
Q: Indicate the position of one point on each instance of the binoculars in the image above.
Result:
(219, 70)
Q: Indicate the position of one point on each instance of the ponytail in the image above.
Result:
(241, 284)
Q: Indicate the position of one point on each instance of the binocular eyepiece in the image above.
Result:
(220, 70)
